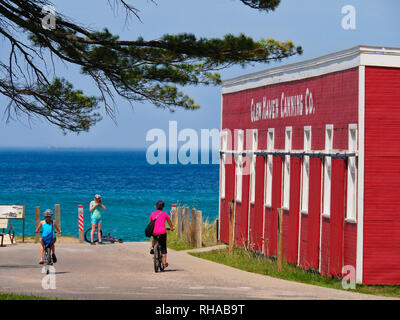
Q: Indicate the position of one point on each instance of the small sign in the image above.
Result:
(12, 212)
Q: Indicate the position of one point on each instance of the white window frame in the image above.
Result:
(253, 166)
(224, 145)
(305, 181)
(269, 168)
(327, 171)
(239, 165)
(286, 169)
(351, 197)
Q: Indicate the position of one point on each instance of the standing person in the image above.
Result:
(160, 232)
(48, 226)
(96, 207)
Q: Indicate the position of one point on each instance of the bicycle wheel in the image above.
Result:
(156, 258)
(160, 259)
(48, 255)
(87, 235)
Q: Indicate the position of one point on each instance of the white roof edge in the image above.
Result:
(336, 61)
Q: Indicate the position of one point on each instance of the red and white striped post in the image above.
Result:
(80, 222)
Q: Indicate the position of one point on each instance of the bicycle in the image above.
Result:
(48, 257)
(158, 265)
(108, 237)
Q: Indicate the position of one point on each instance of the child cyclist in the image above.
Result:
(48, 226)
(160, 233)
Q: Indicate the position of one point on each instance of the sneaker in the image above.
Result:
(41, 262)
(101, 243)
(93, 243)
(152, 251)
(54, 258)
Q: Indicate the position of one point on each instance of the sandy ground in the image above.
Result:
(125, 271)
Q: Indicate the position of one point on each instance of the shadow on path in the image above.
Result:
(12, 266)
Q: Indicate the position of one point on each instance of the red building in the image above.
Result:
(321, 140)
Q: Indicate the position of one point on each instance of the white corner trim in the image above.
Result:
(360, 178)
(338, 61)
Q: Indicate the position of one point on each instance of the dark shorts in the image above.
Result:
(162, 241)
(54, 241)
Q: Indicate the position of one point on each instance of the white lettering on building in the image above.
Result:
(285, 107)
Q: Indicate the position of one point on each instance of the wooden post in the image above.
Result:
(192, 227)
(37, 221)
(198, 229)
(57, 215)
(173, 219)
(279, 239)
(179, 221)
(186, 224)
(231, 215)
(217, 227)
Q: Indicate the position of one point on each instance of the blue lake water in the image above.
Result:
(128, 184)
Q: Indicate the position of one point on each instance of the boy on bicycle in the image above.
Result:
(160, 232)
(48, 226)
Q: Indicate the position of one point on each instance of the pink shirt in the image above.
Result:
(159, 226)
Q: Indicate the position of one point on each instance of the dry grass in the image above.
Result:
(208, 236)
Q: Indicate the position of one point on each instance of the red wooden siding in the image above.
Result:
(310, 223)
(294, 210)
(229, 195)
(241, 211)
(382, 176)
(257, 209)
(337, 217)
(350, 244)
(335, 99)
(271, 220)
(325, 238)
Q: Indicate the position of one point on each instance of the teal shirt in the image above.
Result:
(47, 229)
(96, 213)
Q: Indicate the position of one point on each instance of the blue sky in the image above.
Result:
(313, 24)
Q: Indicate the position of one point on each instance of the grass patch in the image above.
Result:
(177, 243)
(13, 296)
(248, 261)
(208, 237)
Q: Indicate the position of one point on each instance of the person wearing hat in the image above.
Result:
(96, 207)
(48, 226)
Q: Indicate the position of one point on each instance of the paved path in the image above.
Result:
(125, 271)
